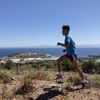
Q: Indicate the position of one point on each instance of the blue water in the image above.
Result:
(82, 52)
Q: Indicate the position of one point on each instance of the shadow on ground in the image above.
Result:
(54, 91)
(50, 93)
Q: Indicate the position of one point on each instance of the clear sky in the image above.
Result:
(39, 22)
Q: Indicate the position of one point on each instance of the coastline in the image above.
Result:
(81, 52)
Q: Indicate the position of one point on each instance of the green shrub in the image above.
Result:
(89, 66)
(1, 65)
(45, 65)
(67, 66)
(98, 68)
(36, 65)
(9, 64)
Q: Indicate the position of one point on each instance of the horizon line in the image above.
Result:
(53, 46)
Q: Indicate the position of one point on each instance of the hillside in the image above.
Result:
(41, 86)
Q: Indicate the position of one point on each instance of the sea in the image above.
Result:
(81, 52)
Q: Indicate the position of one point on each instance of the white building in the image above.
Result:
(15, 60)
(98, 60)
(28, 59)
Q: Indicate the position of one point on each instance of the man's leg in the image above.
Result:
(85, 82)
(59, 62)
(77, 68)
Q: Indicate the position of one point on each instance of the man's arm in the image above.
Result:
(61, 44)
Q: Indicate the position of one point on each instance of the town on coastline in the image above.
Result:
(27, 57)
(38, 57)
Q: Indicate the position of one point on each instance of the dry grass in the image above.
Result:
(74, 80)
(26, 87)
(5, 77)
(26, 84)
(95, 81)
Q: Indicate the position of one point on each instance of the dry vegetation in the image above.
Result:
(38, 84)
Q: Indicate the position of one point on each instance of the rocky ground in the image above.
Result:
(40, 89)
(45, 90)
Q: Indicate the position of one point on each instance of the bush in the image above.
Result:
(5, 77)
(39, 75)
(67, 66)
(98, 68)
(95, 81)
(75, 80)
(42, 76)
(36, 65)
(9, 64)
(26, 87)
(89, 66)
(46, 65)
(28, 76)
(1, 65)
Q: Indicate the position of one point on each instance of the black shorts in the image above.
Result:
(71, 57)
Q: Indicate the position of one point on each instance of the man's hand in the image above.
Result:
(59, 43)
(64, 50)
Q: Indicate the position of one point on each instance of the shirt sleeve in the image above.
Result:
(67, 40)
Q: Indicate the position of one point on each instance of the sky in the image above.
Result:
(25, 23)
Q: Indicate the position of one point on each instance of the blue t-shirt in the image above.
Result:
(71, 49)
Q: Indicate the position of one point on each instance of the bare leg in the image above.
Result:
(77, 67)
(85, 82)
(60, 61)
